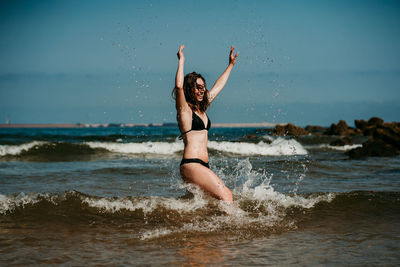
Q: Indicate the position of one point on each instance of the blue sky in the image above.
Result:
(307, 62)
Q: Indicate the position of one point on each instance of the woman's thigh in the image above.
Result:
(206, 179)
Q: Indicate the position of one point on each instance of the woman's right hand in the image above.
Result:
(232, 59)
(180, 53)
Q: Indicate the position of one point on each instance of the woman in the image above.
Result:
(192, 100)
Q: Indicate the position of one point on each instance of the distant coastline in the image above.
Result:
(115, 125)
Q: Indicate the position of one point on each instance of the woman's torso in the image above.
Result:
(194, 127)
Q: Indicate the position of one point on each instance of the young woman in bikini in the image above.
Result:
(192, 100)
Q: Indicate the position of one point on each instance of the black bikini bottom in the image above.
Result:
(184, 161)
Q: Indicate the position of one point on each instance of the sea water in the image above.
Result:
(114, 196)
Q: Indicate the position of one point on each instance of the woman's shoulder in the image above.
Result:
(185, 114)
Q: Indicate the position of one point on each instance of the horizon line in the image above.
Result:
(128, 125)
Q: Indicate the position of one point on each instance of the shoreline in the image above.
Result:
(116, 125)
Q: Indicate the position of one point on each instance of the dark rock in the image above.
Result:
(375, 121)
(341, 129)
(361, 124)
(289, 129)
(388, 135)
(251, 138)
(341, 142)
(264, 130)
(315, 129)
(373, 148)
(384, 139)
(357, 131)
(369, 127)
(394, 126)
(342, 125)
(369, 130)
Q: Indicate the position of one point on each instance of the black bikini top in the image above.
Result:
(197, 124)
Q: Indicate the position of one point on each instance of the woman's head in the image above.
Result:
(196, 93)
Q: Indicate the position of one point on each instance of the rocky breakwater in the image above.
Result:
(289, 129)
(382, 138)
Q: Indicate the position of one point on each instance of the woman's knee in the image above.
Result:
(227, 195)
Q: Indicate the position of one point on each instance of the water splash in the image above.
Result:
(258, 209)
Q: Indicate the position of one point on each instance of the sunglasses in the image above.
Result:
(200, 87)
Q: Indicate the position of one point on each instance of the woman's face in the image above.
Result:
(199, 89)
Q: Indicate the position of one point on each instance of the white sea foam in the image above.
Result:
(344, 148)
(339, 148)
(268, 207)
(278, 147)
(9, 203)
(17, 149)
(269, 137)
(272, 208)
(155, 233)
(147, 205)
(140, 148)
(213, 224)
(265, 193)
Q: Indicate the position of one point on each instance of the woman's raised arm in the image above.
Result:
(220, 83)
(179, 73)
(179, 94)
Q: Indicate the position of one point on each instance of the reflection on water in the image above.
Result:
(201, 251)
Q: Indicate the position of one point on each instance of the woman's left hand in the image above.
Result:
(232, 59)
(180, 53)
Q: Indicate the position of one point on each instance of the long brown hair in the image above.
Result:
(189, 84)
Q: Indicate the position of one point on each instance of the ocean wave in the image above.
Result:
(277, 147)
(146, 205)
(64, 150)
(164, 148)
(339, 148)
(344, 148)
(46, 151)
(9, 203)
(18, 149)
(157, 216)
(256, 211)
